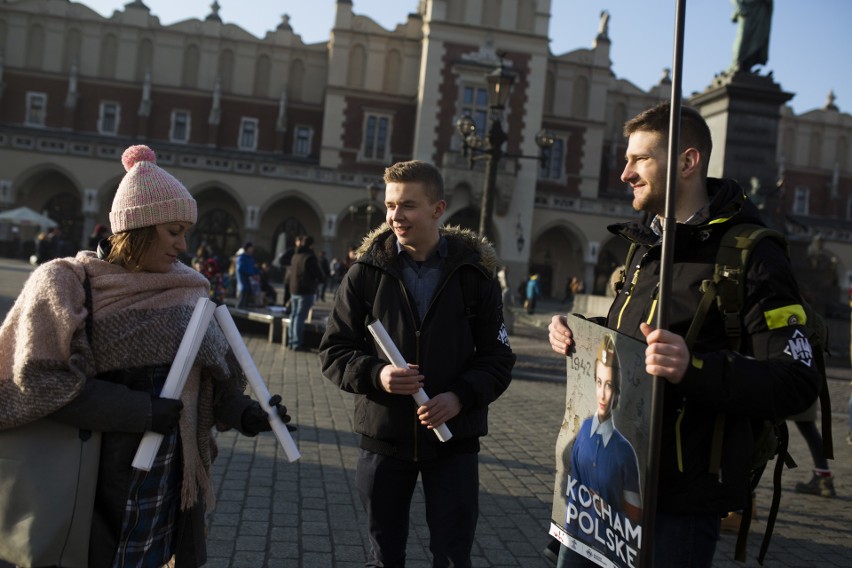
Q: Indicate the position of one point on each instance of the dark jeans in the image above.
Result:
(679, 541)
(243, 297)
(451, 490)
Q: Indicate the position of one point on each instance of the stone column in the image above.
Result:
(743, 112)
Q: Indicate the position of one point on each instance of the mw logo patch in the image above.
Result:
(799, 348)
(503, 335)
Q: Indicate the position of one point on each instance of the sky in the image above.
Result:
(810, 47)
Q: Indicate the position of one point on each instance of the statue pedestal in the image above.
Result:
(743, 111)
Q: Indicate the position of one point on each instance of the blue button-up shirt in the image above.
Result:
(422, 278)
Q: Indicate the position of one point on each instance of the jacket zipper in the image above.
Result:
(416, 358)
(417, 333)
(416, 419)
(649, 320)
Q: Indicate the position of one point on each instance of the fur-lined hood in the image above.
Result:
(379, 247)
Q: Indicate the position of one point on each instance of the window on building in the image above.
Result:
(36, 109)
(553, 164)
(801, 200)
(475, 105)
(302, 138)
(376, 137)
(180, 129)
(109, 117)
(248, 134)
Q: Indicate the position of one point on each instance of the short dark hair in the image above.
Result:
(694, 132)
(417, 171)
(307, 241)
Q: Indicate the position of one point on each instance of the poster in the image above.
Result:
(602, 447)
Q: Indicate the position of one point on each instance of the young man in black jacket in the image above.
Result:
(767, 379)
(436, 293)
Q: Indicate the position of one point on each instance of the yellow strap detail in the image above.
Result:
(651, 313)
(678, 441)
(719, 220)
(627, 301)
(788, 315)
(621, 312)
(697, 363)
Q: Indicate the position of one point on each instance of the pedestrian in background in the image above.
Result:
(141, 301)
(305, 276)
(573, 287)
(337, 271)
(246, 276)
(508, 299)
(532, 293)
(412, 276)
(99, 233)
(216, 277)
(325, 266)
(284, 261)
(268, 294)
(821, 482)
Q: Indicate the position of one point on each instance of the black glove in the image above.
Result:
(165, 413)
(255, 419)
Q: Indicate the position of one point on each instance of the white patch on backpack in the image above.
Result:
(503, 335)
(799, 348)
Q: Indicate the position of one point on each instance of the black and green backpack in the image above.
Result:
(727, 290)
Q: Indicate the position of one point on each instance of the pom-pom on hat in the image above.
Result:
(148, 195)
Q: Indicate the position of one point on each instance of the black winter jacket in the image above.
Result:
(763, 381)
(470, 357)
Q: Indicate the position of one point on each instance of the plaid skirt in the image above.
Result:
(148, 529)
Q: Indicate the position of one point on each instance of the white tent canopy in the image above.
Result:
(26, 217)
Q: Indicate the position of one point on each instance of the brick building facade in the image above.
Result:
(275, 137)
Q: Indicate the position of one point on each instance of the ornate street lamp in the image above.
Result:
(372, 192)
(500, 82)
(352, 211)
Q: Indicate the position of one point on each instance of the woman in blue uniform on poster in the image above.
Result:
(603, 496)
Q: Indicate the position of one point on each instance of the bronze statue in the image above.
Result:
(751, 46)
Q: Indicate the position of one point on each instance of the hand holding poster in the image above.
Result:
(235, 340)
(176, 379)
(602, 447)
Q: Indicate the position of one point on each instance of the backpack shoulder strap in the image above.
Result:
(727, 286)
(817, 325)
(628, 260)
(727, 289)
(729, 274)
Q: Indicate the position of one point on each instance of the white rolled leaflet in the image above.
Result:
(391, 351)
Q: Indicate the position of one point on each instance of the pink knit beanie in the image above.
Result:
(148, 195)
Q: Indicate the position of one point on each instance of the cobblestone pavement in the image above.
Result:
(272, 513)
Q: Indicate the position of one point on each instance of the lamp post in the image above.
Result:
(352, 211)
(500, 82)
(372, 192)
